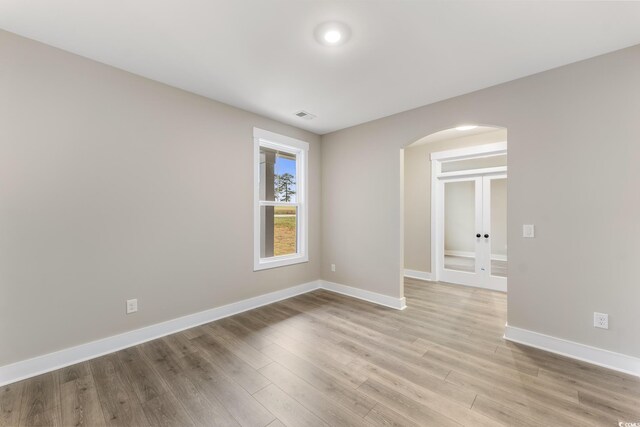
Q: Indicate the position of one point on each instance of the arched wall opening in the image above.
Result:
(418, 219)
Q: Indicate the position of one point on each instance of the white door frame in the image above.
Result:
(437, 193)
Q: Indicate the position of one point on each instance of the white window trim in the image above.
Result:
(264, 138)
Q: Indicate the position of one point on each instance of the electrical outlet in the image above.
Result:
(333, 268)
(528, 230)
(132, 306)
(601, 320)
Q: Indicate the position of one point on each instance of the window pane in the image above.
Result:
(285, 178)
(278, 176)
(460, 226)
(285, 230)
(477, 163)
(279, 230)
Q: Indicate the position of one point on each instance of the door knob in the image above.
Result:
(486, 236)
(478, 235)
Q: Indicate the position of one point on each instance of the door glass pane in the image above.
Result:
(279, 230)
(475, 163)
(499, 227)
(278, 176)
(460, 226)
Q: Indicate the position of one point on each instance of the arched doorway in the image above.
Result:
(454, 207)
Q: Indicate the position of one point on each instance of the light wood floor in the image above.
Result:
(324, 359)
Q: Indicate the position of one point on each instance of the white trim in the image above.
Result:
(374, 297)
(596, 356)
(469, 254)
(417, 274)
(479, 278)
(59, 359)
(462, 254)
(69, 356)
(485, 150)
(471, 172)
(277, 139)
(264, 138)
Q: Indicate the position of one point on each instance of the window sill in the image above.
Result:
(280, 261)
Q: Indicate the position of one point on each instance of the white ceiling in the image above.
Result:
(261, 55)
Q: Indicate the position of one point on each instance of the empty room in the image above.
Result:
(319, 213)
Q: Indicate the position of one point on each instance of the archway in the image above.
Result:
(440, 239)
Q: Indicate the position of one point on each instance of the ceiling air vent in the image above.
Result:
(305, 115)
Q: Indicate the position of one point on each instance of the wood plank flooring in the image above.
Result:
(322, 359)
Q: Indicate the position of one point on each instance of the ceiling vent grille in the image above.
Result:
(305, 115)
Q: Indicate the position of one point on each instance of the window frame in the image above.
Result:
(264, 138)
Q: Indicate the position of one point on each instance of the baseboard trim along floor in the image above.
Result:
(59, 359)
(387, 301)
(596, 356)
(417, 274)
(69, 356)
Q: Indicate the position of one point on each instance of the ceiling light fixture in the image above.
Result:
(466, 127)
(332, 36)
(332, 33)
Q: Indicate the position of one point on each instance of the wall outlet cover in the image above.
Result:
(132, 306)
(528, 230)
(601, 320)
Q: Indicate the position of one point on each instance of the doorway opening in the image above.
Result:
(469, 229)
(455, 208)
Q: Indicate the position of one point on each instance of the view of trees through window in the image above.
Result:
(285, 217)
(284, 187)
(280, 224)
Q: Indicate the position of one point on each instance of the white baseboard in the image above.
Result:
(69, 356)
(50, 362)
(417, 274)
(596, 356)
(376, 298)
(465, 254)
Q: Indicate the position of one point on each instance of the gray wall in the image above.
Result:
(112, 187)
(573, 172)
(417, 193)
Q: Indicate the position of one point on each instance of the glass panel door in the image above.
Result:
(459, 226)
(473, 231)
(493, 250)
(462, 216)
(498, 241)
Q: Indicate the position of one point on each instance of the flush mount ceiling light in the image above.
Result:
(466, 127)
(332, 33)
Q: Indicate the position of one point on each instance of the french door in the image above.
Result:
(472, 237)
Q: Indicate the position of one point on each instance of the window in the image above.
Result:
(280, 200)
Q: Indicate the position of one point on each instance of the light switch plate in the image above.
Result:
(528, 230)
